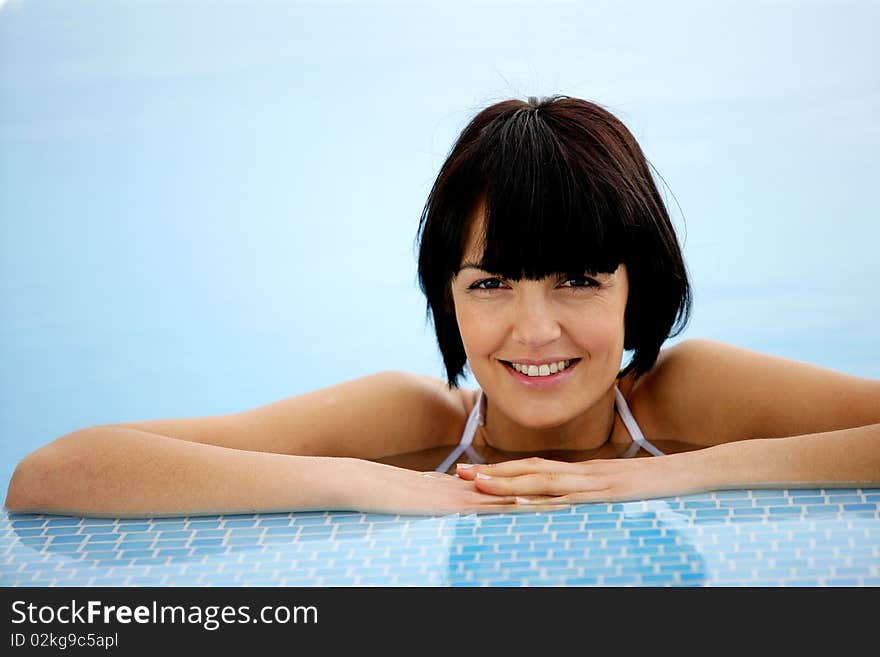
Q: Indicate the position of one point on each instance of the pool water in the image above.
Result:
(806, 537)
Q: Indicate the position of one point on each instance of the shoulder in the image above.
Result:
(706, 392)
(450, 405)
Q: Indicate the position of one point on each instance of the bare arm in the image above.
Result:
(117, 472)
(228, 464)
(844, 458)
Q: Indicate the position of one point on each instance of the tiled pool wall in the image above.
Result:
(827, 537)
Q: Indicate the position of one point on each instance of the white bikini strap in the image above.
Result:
(475, 419)
(634, 432)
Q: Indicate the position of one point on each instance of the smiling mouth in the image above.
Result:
(571, 363)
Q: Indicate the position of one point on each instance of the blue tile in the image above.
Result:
(599, 516)
(204, 524)
(530, 554)
(134, 545)
(646, 533)
(492, 556)
(844, 499)
(731, 494)
(803, 492)
(173, 552)
(855, 506)
(633, 523)
(807, 500)
(63, 521)
(239, 532)
(100, 555)
(108, 581)
(242, 522)
(582, 581)
(278, 531)
(853, 571)
(593, 526)
(168, 524)
(24, 533)
(126, 525)
(842, 581)
(276, 522)
(784, 510)
(215, 533)
(131, 554)
(674, 568)
(621, 580)
(767, 502)
(208, 549)
(60, 531)
(64, 547)
(74, 538)
(174, 534)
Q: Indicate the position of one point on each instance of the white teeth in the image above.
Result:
(543, 370)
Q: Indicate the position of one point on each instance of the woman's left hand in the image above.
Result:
(542, 481)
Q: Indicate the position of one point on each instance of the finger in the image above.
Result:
(549, 483)
(581, 497)
(481, 498)
(538, 499)
(516, 467)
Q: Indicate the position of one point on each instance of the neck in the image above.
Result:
(590, 430)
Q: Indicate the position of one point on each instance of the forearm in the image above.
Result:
(846, 458)
(118, 472)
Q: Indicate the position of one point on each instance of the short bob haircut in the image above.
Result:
(567, 190)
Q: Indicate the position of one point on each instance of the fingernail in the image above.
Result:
(483, 475)
(523, 500)
(464, 466)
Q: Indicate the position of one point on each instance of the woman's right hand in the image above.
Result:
(372, 487)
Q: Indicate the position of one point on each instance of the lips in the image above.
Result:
(541, 381)
(571, 362)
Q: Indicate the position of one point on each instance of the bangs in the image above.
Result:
(543, 212)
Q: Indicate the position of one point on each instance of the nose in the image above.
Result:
(534, 323)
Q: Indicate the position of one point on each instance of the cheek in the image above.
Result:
(603, 331)
(476, 333)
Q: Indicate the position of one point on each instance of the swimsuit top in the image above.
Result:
(477, 418)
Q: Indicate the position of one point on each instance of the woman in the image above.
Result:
(545, 253)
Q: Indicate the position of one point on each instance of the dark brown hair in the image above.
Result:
(567, 190)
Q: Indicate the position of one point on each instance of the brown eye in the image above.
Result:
(585, 281)
(478, 284)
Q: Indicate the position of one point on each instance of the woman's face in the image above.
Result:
(553, 319)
